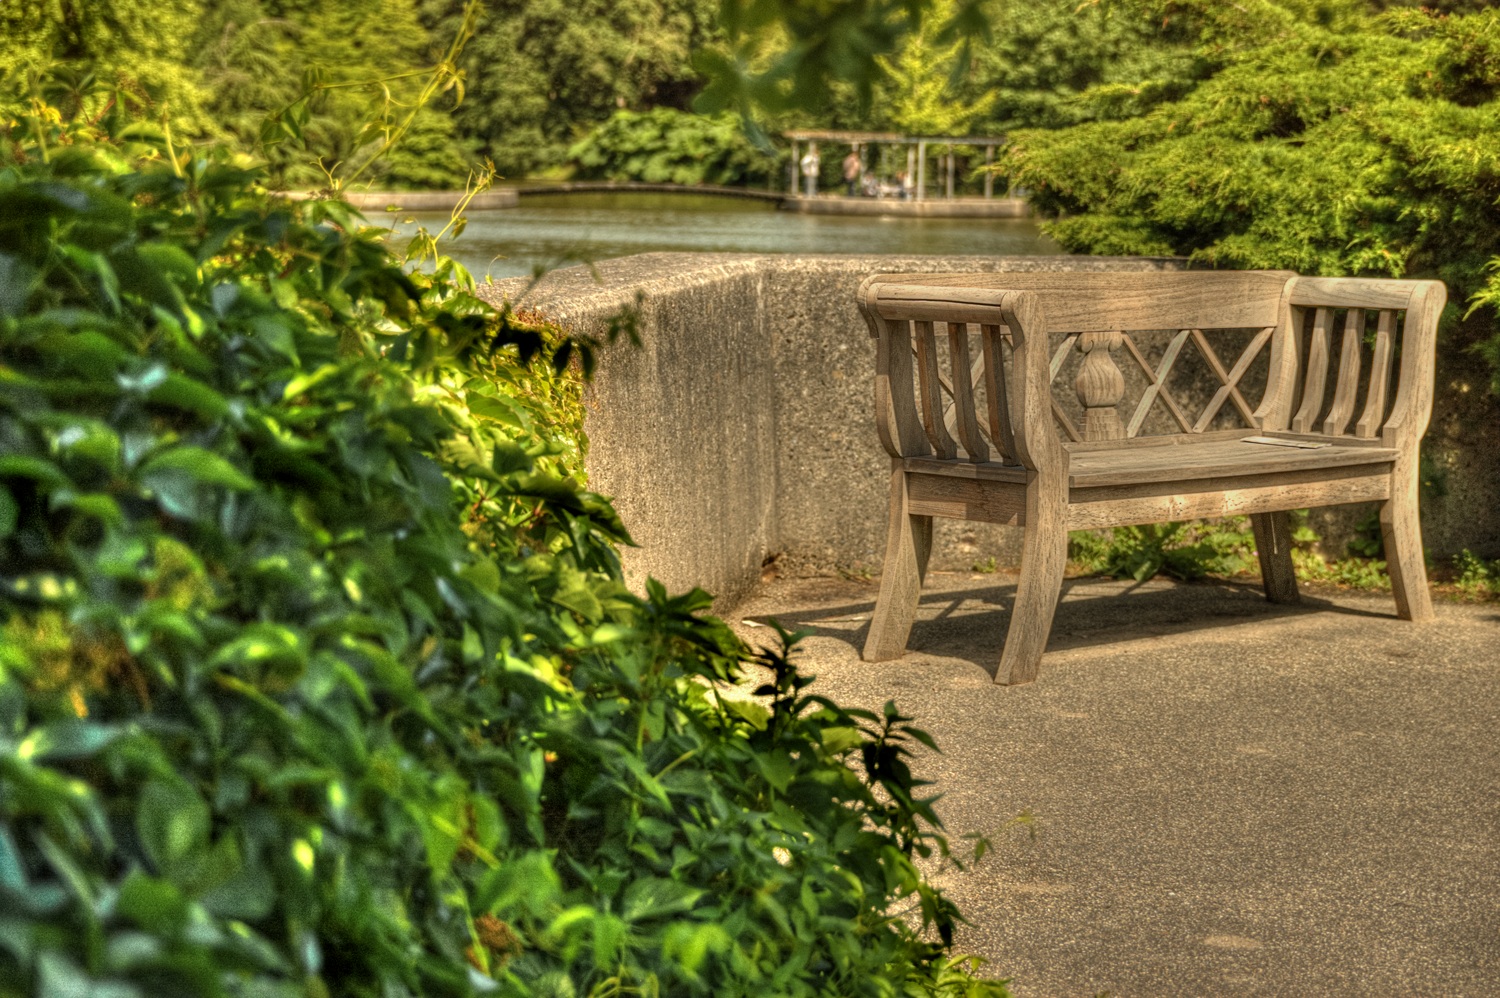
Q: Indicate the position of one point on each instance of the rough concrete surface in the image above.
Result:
(1226, 797)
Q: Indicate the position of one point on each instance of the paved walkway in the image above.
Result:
(1225, 797)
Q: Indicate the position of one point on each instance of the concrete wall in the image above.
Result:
(743, 429)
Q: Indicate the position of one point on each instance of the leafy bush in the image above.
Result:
(1475, 576)
(1182, 550)
(316, 671)
(666, 146)
(1200, 548)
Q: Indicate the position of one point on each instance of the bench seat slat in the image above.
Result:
(1211, 459)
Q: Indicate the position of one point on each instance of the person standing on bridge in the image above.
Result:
(810, 165)
(852, 169)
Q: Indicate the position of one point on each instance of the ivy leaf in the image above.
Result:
(172, 822)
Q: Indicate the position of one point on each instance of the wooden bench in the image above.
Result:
(964, 406)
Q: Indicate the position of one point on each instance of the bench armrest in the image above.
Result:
(1410, 409)
(911, 422)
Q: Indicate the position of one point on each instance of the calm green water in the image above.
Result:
(559, 229)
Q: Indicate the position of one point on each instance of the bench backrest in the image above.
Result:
(1388, 329)
(944, 415)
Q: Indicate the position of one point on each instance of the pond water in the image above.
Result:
(552, 230)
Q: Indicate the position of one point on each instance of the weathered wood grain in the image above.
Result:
(1210, 459)
(982, 500)
(1079, 302)
(930, 392)
(1401, 530)
(1116, 506)
(1353, 292)
(908, 544)
(1158, 386)
(1044, 558)
(1380, 377)
(1348, 384)
(966, 419)
(1273, 546)
(1317, 372)
(1228, 381)
(1100, 385)
(996, 394)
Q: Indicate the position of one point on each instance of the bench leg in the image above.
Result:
(1401, 529)
(1273, 544)
(908, 543)
(1044, 557)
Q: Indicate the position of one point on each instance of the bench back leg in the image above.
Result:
(1044, 557)
(907, 546)
(1401, 529)
(1273, 545)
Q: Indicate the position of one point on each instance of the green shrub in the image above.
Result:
(666, 146)
(316, 671)
(1200, 548)
(1475, 576)
(1182, 550)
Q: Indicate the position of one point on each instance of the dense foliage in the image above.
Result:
(666, 146)
(316, 671)
(542, 73)
(348, 71)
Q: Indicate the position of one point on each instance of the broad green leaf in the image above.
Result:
(195, 463)
(171, 821)
(656, 897)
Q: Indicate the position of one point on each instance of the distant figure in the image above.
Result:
(810, 164)
(851, 173)
(903, 181)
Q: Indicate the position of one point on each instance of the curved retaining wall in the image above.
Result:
(743, 429)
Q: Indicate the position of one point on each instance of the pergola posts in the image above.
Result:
(866, 144)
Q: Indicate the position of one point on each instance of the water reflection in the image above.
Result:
(558, 229)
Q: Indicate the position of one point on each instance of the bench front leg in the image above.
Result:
(907, 547)
(1044, 557)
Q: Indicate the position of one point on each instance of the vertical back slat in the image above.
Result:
(996, 395)
(1348, 383)
(896, 401)
(930, 388)
(963, 394)
(1318, 353)
(1380, 376)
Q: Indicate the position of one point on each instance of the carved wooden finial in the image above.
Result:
(1100, 386)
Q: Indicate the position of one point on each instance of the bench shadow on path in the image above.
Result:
(969, 623)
